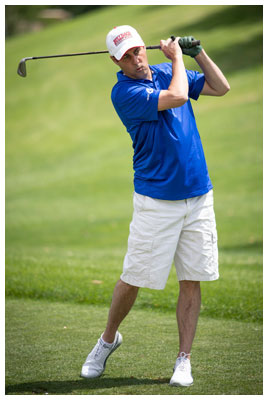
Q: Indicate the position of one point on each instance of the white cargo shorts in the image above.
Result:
(163, 232)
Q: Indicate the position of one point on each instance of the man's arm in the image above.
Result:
(177, 93)
(215, 82)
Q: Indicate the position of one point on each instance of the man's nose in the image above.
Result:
(136, 60)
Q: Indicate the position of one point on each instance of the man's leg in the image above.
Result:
(188, 309)
(123, 299)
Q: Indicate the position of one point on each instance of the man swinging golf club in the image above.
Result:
(173, 218)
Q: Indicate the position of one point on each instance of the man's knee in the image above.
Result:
(189, 287)
(189, 284)
(127, 286)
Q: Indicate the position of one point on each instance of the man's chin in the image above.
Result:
(143, 73)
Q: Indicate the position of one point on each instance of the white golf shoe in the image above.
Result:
(182, 375)
(95, 363)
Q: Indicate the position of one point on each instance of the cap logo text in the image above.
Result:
(120, 38)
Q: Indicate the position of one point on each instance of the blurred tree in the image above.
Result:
(76, 10)
(24, 18)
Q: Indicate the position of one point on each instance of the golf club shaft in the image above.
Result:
(97, 52)
(22, 65)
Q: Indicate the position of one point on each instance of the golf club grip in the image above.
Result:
(194, 43)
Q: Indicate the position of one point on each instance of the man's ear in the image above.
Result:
(114, 60)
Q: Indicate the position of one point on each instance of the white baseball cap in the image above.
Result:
(121, 39)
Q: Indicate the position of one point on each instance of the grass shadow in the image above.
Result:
(240, 56)
(229, 16)
(255, 246)
(63, 387)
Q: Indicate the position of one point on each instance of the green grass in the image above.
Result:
(48, 358)
(64, 275)
(69, 197)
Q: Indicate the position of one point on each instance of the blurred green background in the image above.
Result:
(69, 160)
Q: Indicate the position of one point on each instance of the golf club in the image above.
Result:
(22, 64)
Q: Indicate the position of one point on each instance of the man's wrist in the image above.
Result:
(200, 55)
(176, 57)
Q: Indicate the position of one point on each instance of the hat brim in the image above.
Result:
(128, 46)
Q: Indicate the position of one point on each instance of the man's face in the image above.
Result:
(134, 63)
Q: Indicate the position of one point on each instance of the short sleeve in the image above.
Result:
(136, 103)
(196, 82)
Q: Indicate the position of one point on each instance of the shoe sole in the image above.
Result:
(104, 365)
(179, 384)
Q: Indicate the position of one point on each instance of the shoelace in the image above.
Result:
(96, 355)
(101, 347)
(183, 359)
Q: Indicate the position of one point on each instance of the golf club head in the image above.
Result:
(22, 68)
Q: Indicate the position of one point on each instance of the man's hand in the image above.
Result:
(171, 48)
(186, 44)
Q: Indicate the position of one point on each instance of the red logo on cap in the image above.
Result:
(120, 38)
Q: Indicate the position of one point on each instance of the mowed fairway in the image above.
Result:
(69, 204)
(49, 340)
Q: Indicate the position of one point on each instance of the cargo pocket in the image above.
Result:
(214, 247)
(210, 250)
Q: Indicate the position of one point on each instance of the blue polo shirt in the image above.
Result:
(168, 161)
